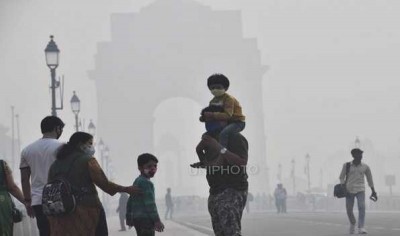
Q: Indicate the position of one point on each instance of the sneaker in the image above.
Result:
(362, 231)
(352, 229)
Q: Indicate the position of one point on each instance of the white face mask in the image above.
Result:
(89, 150)
(218, 92)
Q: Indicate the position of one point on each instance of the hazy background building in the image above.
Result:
(332, 75)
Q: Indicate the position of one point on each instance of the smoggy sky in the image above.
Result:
(333, 69)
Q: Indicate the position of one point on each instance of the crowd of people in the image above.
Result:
(222, 151)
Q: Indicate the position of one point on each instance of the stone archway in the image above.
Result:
(175, 138)
(168, 49)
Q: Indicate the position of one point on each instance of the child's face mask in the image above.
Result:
(218, 92)
(150, 172)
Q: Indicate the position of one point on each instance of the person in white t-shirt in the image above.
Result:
(36, 160)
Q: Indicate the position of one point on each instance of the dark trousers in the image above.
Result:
(102, 229)
(41, 221)
(144, 228)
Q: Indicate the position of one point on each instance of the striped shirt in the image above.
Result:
(355, 179)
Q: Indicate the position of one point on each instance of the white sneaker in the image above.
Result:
(352, 229)
(362, 231)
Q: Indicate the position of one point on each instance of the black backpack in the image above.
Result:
(340, 190)
(58, 198)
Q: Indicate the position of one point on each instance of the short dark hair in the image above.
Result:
(49, 123)
(146, 158)
(218, 79)
(356, 151)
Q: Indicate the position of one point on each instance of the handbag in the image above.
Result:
(16, 213)
(340, 190)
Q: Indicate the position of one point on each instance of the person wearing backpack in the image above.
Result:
(355, 186)
(36, 160)
(76, 165)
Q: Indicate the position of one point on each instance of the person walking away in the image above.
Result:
(169, 204)
(36, 160)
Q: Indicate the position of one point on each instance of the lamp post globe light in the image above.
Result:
(91, 128)
(101, 149)
(106, 151)
(107, 160)
(357, 142)
(101, 145)
(52, 60)
(76, 108)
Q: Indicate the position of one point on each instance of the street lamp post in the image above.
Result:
(102, 148)
(18, 134)
(280, 172)
(107, 160)
(308, 171)
(108, 173)
(294, 176)
(76, 108)
(52, 60)
(91, 128)
(321, 178)
(12, 138)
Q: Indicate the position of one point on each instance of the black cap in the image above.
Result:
(356, 151)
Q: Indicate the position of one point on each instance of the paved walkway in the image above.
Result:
(171, 229)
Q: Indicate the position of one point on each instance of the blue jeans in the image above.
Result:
(229, 130)
(361, 208)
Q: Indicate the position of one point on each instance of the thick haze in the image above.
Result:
(333, 74)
